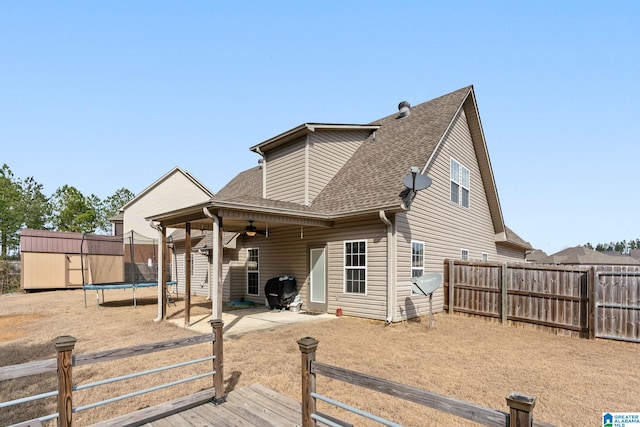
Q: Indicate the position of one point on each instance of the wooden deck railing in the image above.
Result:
(520, 406)
(65, 362)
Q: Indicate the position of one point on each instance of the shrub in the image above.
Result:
(9, 277)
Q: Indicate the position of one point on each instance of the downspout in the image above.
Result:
(161, 286)
(264, 172)
(391, 258)
(216, 267)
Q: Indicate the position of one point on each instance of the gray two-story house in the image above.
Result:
(331, 205)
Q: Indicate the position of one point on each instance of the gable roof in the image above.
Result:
(372, 178)
(163, 178)
(581, 255)
(305, 129)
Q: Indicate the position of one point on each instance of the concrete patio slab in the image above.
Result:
(242, 321)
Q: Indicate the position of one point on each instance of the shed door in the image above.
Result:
(75, 270)
(318, 280)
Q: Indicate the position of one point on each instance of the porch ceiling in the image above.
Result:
(235, 219)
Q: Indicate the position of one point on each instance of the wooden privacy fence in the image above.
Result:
(520, 405)
(617, 305)
(588, 301)
(65, 362)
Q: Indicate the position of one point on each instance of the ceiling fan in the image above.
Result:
(251, 230)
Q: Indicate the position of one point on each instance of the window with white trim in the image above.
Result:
(417, 258)
(417, 261)
(485, 256)
(460, 178)
(253, 275)
(464, 254)
(355, 267)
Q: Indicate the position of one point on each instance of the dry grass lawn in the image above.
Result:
(574, 379)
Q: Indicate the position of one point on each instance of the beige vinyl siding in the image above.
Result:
(506, 253)
(200, 270)
(444, 227)
(285, 173)
(174, 192)
(234, 273)
(237, 274)
(328, 152)
(286, 251)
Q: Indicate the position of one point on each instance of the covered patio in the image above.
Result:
(262, 218)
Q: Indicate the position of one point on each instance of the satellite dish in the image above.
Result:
(426, 284)
(416, 182)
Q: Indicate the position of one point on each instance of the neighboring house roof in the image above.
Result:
(536, 255)
(164, 178)
(582, 255)
(119, 216)
(635, 253)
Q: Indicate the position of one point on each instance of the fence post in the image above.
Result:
(308, 347)
(504, 296)
(64, 346)
(451, 286)
(592, 286)
(520, 408)
(218, 362)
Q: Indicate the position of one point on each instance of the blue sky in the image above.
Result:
(102, 95)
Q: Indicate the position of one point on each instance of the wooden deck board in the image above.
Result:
(256, 402)
(250, 406)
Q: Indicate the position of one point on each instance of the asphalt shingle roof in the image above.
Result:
(582, 255)
(372, 177)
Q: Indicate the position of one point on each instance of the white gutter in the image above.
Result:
(161, 288)
(391, 283)
(215, 267)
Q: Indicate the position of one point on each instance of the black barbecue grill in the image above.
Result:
(280, 292)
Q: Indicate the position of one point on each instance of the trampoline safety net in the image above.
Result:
(132, 258)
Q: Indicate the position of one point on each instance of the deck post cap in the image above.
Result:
(521, 402)
(64, 343)
(308, 344)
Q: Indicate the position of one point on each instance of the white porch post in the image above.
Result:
(161, 275)
(215, 266)
(216, 271)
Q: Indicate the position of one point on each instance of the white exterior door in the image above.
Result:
(318, 279)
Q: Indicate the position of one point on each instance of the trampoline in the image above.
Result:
(111, 286)
(138, 267)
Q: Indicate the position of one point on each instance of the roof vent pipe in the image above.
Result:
(405, 109)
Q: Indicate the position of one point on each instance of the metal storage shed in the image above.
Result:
(59, 260)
